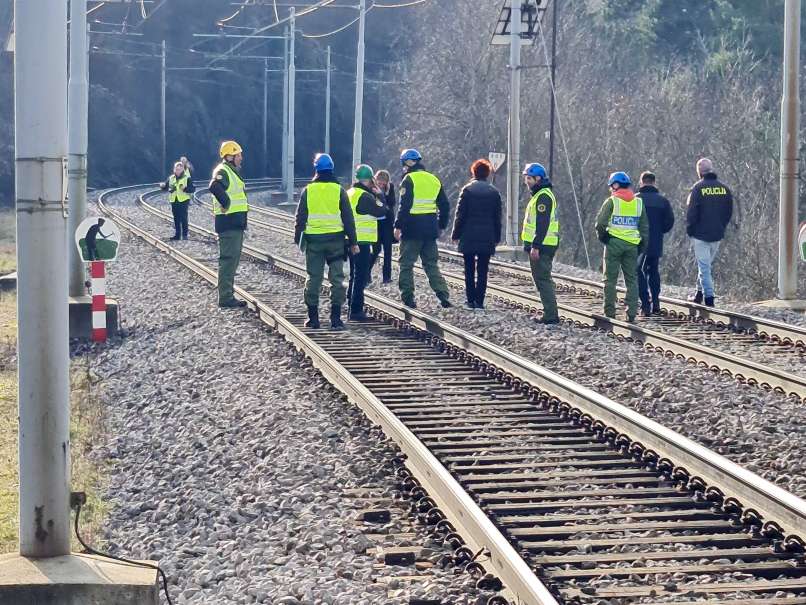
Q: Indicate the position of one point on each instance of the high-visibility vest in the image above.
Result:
(426, 190)
(625, 218)
(324, 214)
(178, 195)
(236, 192)
(366, 225)
(552, 237)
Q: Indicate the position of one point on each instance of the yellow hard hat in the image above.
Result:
(229, 148)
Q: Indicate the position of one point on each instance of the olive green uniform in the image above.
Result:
(230, 208)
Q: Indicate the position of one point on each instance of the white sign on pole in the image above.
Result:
(97, 238)
(802, 242)
(497, 159)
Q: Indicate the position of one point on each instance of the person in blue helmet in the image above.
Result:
(424, 213)
(623, 227)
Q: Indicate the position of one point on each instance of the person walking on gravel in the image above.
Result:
(230, 208)
(423, 215)
(386, 227)
(324, 217)
(661, 220)
(623, 227)
(176, 185)
(541, 236)
(709, 210)
(477, 230)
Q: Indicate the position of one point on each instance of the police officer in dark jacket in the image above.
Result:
(477, 230)
(661, 220)
(710, 207)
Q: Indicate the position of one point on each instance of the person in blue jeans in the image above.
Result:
(661, 220)
(708, 213)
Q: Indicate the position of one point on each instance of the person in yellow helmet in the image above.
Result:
(230, 208)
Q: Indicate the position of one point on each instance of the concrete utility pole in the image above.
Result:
(513, 175)
(162, 111)
(359, 86)
(553, 108)
(77, 97)
(327, 104)
(292, 85)
(285, 111)
(266, 115)
(40, 116)
(790, 161)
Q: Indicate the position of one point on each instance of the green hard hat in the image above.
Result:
(363, 172)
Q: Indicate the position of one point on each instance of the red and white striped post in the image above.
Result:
(98, 277)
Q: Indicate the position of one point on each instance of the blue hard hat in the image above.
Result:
(410, 154)
(535, 170)
(622, 178)
(323, 161)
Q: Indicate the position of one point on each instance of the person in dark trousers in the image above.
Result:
(230, 208)
(367, 205)
(423, 215)
(91, 239)
(541, 237)
(661, 220)
(477, 230)
(708, 213)
(386, 227)
(324, 218)
(177, 187)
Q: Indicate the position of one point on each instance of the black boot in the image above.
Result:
(313, 317)
(709, 301)
(656, 308)
(645, 310)
(697, 298)
(335, 317)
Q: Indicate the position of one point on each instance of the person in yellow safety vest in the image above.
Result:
(623, 227)
(424, 213)
(541, 236)
(177, 187)
(324, 218)
(365, 200)
(230, 208)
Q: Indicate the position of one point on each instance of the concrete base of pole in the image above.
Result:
(776, 303)
(81, 317)
(511, 253)
(75, 580)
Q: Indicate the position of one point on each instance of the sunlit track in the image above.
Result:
(602, 504)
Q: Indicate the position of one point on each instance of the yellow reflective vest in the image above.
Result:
(236, 192)
(324, 214)
(425, 193)
(178, 195)
(529, 230)
(366, 225)
(625, 218)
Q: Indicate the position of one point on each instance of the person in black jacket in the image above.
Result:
(710, 207)
(386, 226)
(661, 220)
(477, 230)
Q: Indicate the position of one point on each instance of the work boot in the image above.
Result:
(359, 316)
(696, 298)
(174, 238)
(470, 305)
(645, 311)
(446, 304)
(313, 317)
(631, 319)
(656, 309)
(335, 318)
(549, 321)
(232, 304)
(410, 303)
(709, 301)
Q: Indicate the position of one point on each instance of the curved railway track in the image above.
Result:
(565, 495)
(756, 351)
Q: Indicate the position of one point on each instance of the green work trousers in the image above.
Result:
(623, 256)
(427, 251)
(541, 274)
(230, 244)
(320, 251)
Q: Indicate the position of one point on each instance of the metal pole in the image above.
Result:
(285, 110)
(162, 112)
(513, 180)
(553, 108)
(266, 115)
(359, 86)
(40, 115)
(292, 84)
(327, 104)
(790, 125)
(77, 106)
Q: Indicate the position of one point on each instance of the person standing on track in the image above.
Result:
(386, 227)
(541, 237)
(178, 196)
(477, 230)
(324, 217)
(424, 213)
(367, 205)
(710, 207)
(230, 208)
(623, 227)
(661, 220)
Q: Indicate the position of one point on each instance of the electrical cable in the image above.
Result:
(565, 144)
(336, 31)
(98, 553)
(404, 5)
(276, 14)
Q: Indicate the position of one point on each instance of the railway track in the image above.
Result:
(565, 495)
(759, 352)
